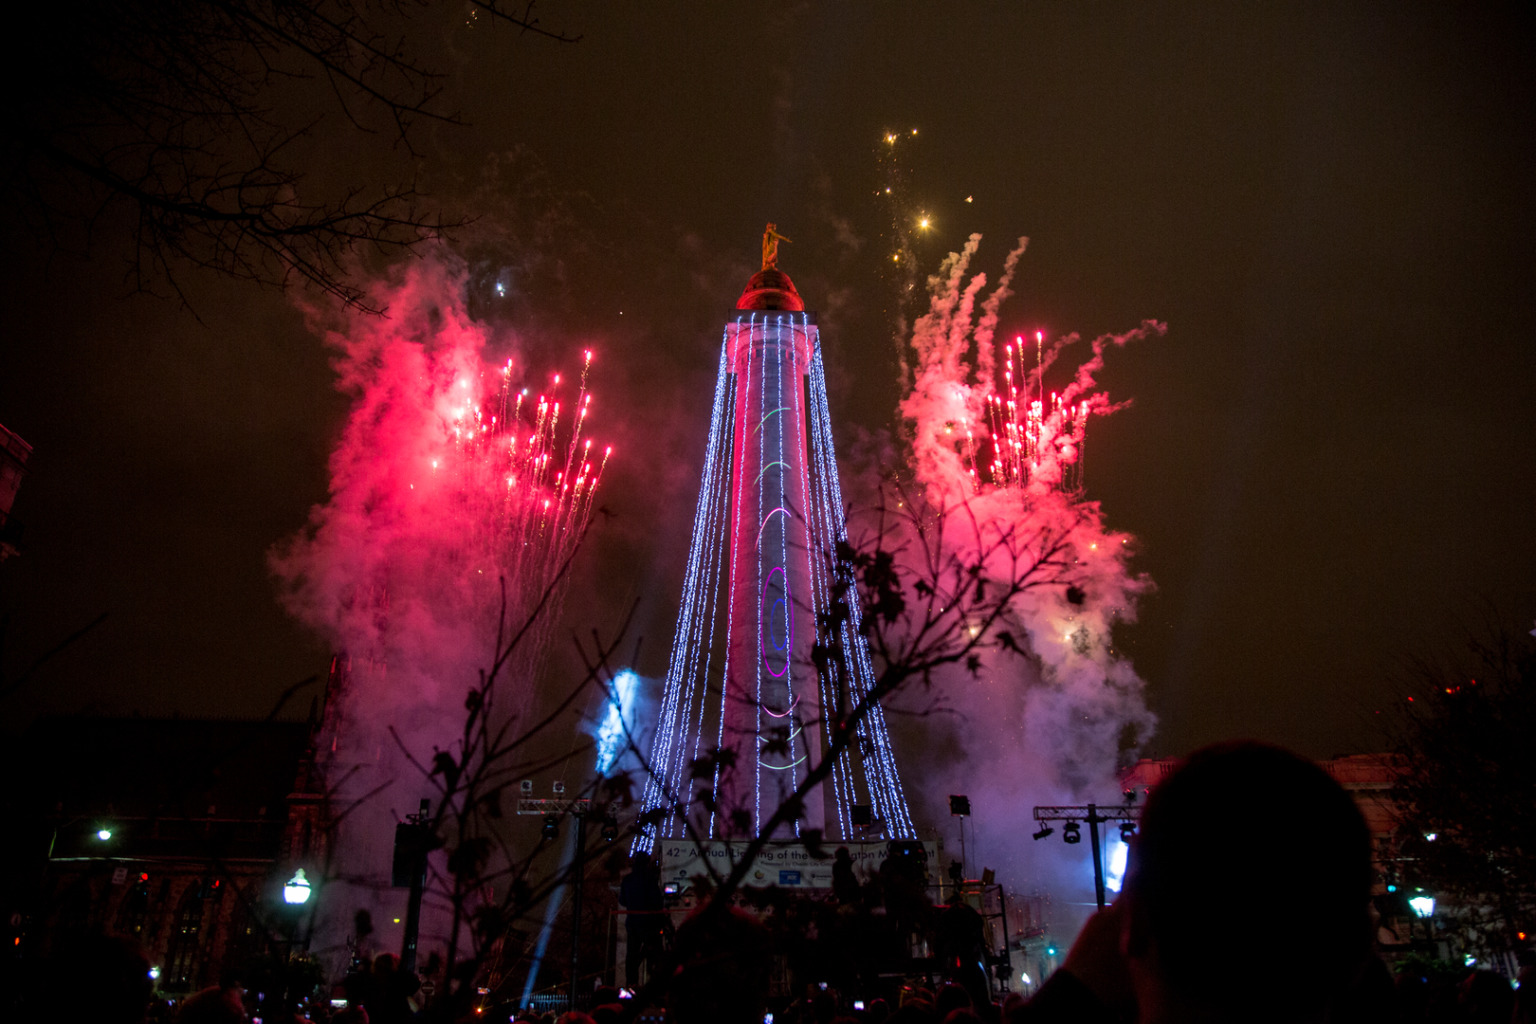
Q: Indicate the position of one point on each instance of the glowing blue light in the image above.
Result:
(770, 451)
(297, 889)
(614, 729)
(1114, 872)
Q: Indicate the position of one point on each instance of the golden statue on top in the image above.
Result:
(771, 240)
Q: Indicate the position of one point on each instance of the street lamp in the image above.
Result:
(1422, 904)
(297, 889)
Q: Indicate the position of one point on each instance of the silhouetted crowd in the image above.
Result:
(1247, 899)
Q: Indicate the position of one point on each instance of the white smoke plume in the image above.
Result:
(1049, 727)
(452, 490)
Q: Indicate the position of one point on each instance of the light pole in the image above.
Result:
(413, 840)
(296, 893)
(960, 807)
(1094, 816)
(578, 809)
(578, 871)
(1423, 906)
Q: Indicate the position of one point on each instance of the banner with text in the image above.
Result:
(788, 865)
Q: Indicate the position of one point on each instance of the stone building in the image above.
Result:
(175, 834)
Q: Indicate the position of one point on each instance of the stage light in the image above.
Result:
(1422, 904)
(1045, 830)
(1127, 831)
(610, 829)
(103, 834)
(1070, 833)
(959, 806)
(551, 826)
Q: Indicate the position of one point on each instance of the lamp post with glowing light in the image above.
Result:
(578, 810)
(297, 889)
(296, 894)
(1423, 906)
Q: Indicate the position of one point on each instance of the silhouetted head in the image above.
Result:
(1248, 888)
(92, 979)
(722, 973)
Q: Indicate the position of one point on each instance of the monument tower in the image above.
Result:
(756, 605)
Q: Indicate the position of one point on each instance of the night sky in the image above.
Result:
(1329, 463)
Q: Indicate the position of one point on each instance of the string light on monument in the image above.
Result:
(757, 599)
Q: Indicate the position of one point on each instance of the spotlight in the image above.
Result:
(1070, 834)
(1127, 831)
(1045, 830)
(551, 826)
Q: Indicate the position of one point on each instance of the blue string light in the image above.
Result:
(770, 484)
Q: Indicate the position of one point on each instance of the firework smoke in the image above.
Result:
(1047, 729)
(455, 490)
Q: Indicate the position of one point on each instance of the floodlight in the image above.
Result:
(1045, 830)
(1070, 833)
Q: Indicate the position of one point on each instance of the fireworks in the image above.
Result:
(1024, 435)
(989, 432)
(460, 489)
(525, 480)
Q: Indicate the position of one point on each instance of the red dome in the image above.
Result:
(770, 289)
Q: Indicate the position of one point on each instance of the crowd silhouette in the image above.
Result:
(1247, 898)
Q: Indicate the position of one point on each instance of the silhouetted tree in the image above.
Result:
(1469, 781)
(185, 114)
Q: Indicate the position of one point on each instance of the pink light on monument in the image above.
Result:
(758, 582)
